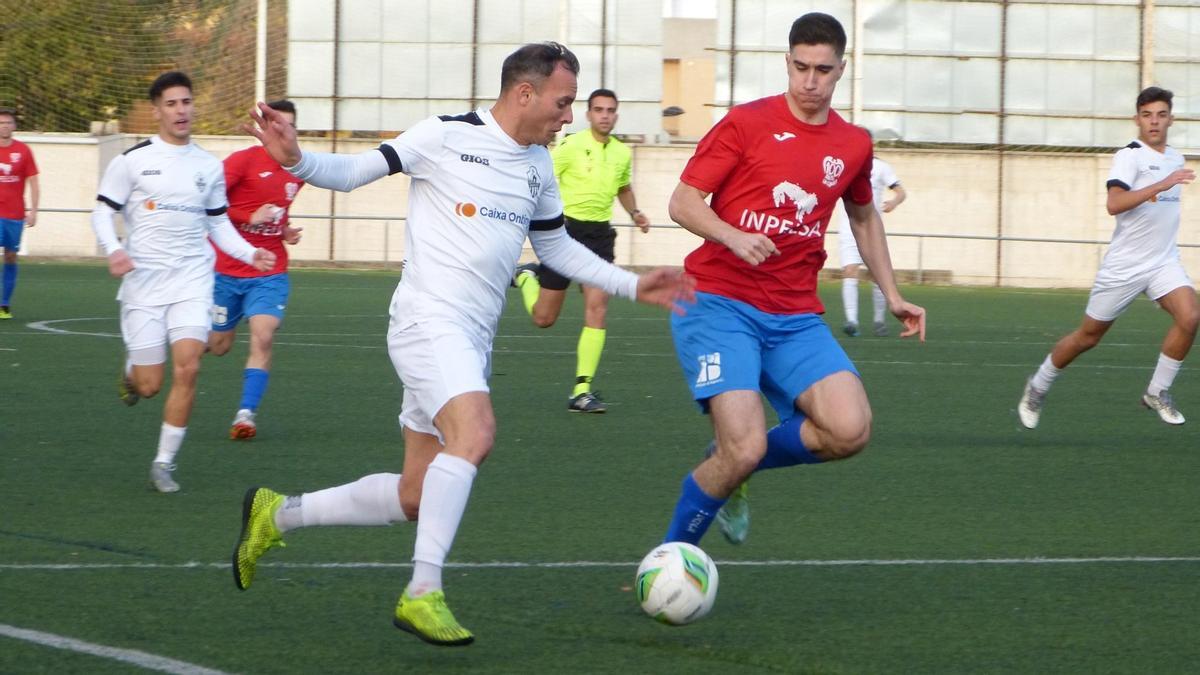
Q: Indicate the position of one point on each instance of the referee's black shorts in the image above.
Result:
(599, 237)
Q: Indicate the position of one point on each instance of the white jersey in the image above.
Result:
(475, 194)
(883, 177)
(1144, 239)
(166, 194)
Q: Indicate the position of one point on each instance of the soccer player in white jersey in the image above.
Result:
(171, 194)
(481, 183)
(883, 178)
(1144, 189)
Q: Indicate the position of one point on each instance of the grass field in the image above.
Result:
(957, 542)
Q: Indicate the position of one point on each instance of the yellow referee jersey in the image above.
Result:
(589, 174)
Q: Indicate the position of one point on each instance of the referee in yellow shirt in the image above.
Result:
(592, 167)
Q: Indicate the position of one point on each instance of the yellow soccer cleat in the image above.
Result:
(430, 619)
(259, 533)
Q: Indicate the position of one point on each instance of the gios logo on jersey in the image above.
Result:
(469, 210)
(201, 183)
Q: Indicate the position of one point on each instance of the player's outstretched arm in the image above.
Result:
(1121, 200)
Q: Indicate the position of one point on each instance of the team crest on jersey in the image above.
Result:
(534, 180)
(201, 184)
(833, 170)
(291, 189)
(14, 157)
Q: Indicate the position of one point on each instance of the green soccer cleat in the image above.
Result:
(259, 533)
(430, 619)
(5, 313)
(734, 516)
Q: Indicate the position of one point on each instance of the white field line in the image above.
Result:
(130, 656)
(501, 564)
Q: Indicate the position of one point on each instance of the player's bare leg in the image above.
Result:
(1066, 350)
(1184, 309)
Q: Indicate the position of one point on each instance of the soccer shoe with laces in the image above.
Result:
(259, 533)
(125, 390)
(1164, 405)
(429, 618)
(1029, 409)
(527, 268)
(587, 402)
(733, 519)
(5, 313)
(243, 425)
(160, 477)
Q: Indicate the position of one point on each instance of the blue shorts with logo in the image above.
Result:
(10, 233)
(726, 345)
(237, 297)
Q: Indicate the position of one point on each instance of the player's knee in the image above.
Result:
(147, 389)
(219, 347)
(411, 505)
(543, 320)
(848, 437)
(186, 371)
(742, 457)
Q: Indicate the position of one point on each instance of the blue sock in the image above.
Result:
(784, 447)
(254, 385)
(694, 512)
(10, 282)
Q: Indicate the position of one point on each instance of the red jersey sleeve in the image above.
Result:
(235, 169)
(859, 190)
(30, 166)
(716, 155)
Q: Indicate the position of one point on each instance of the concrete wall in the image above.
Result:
(950, 193)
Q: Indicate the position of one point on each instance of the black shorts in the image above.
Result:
(599, 238)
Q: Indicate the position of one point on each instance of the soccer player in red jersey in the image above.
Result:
(16, 169)
(775, 168)
(260, 192)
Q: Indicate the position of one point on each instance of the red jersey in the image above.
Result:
(252, 179)
(768, 172)
(16, 165)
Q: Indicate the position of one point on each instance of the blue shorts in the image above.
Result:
(726, 345)
(237, 297)
(10, 233)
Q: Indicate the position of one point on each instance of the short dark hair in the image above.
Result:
(172, 78)
(535, 62)
(283, 105)
(1154, 95)
(607, 93)
(816, 28)
(10, 112)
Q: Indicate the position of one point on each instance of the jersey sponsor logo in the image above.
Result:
(784, 136)
(152, 172)
(710, 369)
(534, 180)
(833, 170)
(805, 203)
(474, 159)
(469, 210)
(201, 184)
(152, 205)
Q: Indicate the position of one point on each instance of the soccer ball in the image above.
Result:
(676, 583)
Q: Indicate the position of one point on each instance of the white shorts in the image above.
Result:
(147, 329)
(436, 360)
(1111, 297)
(848, 247)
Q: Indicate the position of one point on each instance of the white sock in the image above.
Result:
(169, 440)
(370, 500)
(880, 302)
(1164, 375)
(850, 298)
(1045, 375)
(443, 500)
